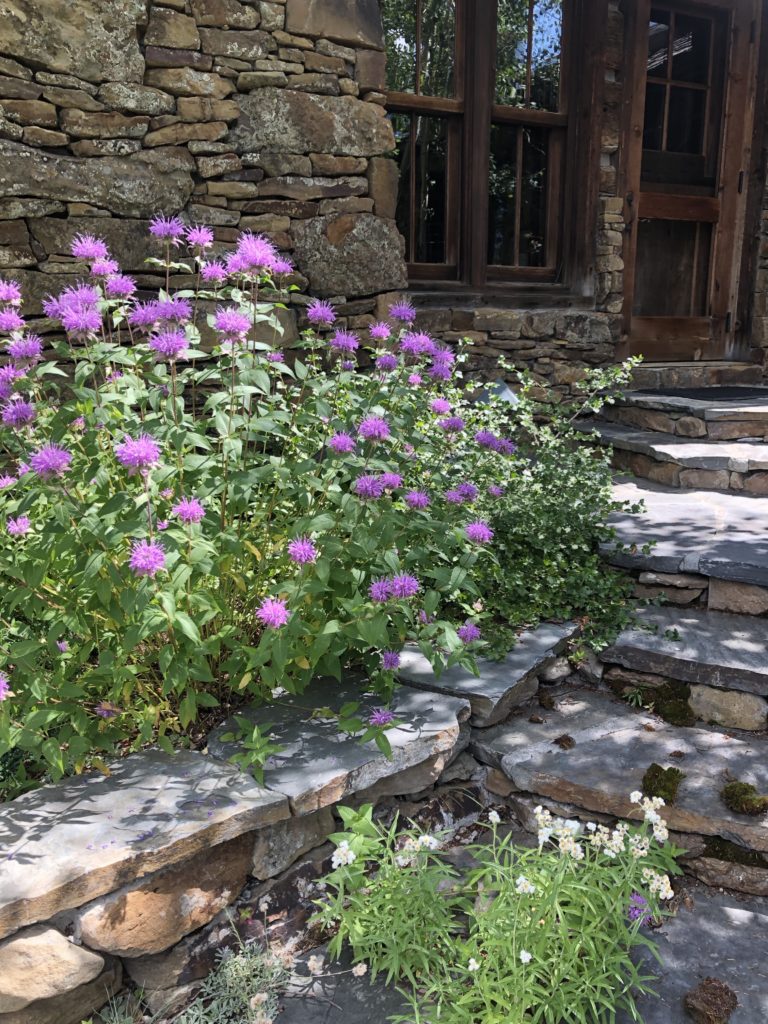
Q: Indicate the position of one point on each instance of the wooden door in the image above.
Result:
(690, 106)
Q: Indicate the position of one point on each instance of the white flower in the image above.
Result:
(494, 817)
(473, 965)
(315, 965)
(525, 956)
(258, 1000)
(342, 855)
(591, 826)
(524, 886)
(427, 842)
(359, 970)
(636, 796)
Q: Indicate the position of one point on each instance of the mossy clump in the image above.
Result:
(743, 798)
(711, 1002)
(722, 849)
(669, 701)
(663, 782)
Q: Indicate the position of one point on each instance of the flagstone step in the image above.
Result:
(609, 747)
(729, 652)
(681, 462)
(716, 413)
(501, 685)
(695, 375)
(720, 535)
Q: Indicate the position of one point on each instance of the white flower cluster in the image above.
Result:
(413, 846)
(658, 884)
(611, 843)
(524, 886)
(343, 855)
(651, 807)
(564, 831)
(494, 817)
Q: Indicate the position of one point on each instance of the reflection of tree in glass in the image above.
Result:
(438, 40)
(542, 21)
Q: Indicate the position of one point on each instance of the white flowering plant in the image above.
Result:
(552, 934)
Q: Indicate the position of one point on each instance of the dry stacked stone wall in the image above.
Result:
(243, 114)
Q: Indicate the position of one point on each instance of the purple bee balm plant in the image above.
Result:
(302, 551)
(404, 586)
(390, 660)
(169, 345)
(168, 228)
(214, 272)
(50, 461)
(467, 490)
(415, 379)
(18, 413)
(273, 613)
(505, 446)
(120, 286)
(275, 357)
(81, 321)
(451, 424)
(8, 377)
(10, 293)
(454, 497)
(368, 486)
(386, 362)
(380, 331)
(342, 443)
(381, 716)
(19, 526)
(417, 499)
(380, 591)
(255, 253)
(106, 709)
(281, 266)
(320, 313)
(439, 371)
(468, 633)
(199, 237)
(143, 316)
(173, 309)
(390, 481)
(440, 406)
(103, 268)
(6, 481)
(374, 428)
(486, 439)
(5, 686)
(10, 320)
(479, 532)
(26, 350)
(402, 311)
(88, 247)
(188, 510)
(162, 524)
(344, 341)
(495, 490)
(231, 322)
(63, 646)
(138, 453)
(147, 558)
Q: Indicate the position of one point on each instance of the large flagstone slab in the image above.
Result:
(68, 843)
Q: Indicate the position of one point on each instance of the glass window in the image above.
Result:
(528, 48)
(517, 196)
(421, 46)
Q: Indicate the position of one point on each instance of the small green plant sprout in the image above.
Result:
(256, 746)
(662, 782)
(743, 798)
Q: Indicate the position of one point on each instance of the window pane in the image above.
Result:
(401, 124)
(529, 34)
(685, 130)
(431, 189)
(512, 52)
(518, 162)
(690, 50)
(653, 130)
(545, 54)
(658, 44)
(400, 36)
(438, 46)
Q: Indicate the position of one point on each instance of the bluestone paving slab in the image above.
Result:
(717, 403)
(707, 532)
(737, 456)
(500, 685)
(318, 765)
(697, 646)
(65, 844)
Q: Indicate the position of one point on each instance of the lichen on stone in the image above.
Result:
(662, 782)
(743, 798)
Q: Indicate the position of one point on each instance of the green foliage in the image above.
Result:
(529, 936)
(662, 782)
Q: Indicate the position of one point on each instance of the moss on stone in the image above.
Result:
(722, 849)
(711, 1002)
(743, 798)
(663, 782)
(669, 701)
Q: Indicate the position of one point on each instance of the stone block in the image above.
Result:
(199, 109)
(19, 89)
(106, 147)
(272, 15)
(249, 80)
(103, 125)
(15, 250)
(756, 483)
(13, 69)
(34, 136)
(682, 580)
(350, 254)
(296, 187)
(277, 165)
(12, 209)
(178, 134)
(72, 1007)
(725, 874)
(288, 121)
(383, 184)
(165, 57)
(136, 99)
(371, 71)
(671, 595)
(690, 426)
(328, 165)
(39, 963)
(321, 85)
(325, 64)
(706, 479)
(172, 29)
(213, 166)
(355, 22)
(189, 82)
(243, 44)
(740, 598)
(30, 112)
(728, 708)
(76, 99)
(224, 14)
(277, 847)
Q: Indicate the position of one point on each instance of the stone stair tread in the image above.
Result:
(501, 685)
(707, 532)
(714, 648)
(70, 842)
(737, 456)
(717, 403)
(318, 765)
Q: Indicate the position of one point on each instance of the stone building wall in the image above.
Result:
(244, 114)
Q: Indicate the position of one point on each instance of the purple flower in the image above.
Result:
(344, 341)
(348, 364)
(6, 481)
(281, 266)
(254, 253)
(404, 586)
(10, 292)
(18, 413)
(188, 510)
(213, 271)
(368, 486)
(467, 490)
(402, 311)
(18, 526)
(417, 499)
(143, 315)
(10, 320)
(63, 646)
(23, 468)
(275, 357)
(381, 716)
(169, 345)
(200, 237)
(105, 267)
(390, 660)
(173, 308)
(342, 443)
(319, 312)
(8, 376)
(106, 709)
(443, 356)
(386, 362)
(120, 286)
(374, 428)
(380, 331)
(389, 481)
(26, 350)
(505, 447)
(166, 493)
(440, 406)
(138, 453)
(639, 909)
(5, 686)
(231, 322)
(162, 524)
(111, 378)
(88, 247)
(417, 345)
(454, 497)
(81, 320)
(495, 490)
(486, 439)
(380, 591)
(451, 424)
(147, 558)
(468, 633)
(479, 532)
(167, 227)
(51, 461)
(439, 371)
(302, 551)
(273, 612)
(415, 379)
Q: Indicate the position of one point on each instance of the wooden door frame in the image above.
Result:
(738, 126)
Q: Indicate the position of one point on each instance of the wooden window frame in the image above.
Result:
(573, 164)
